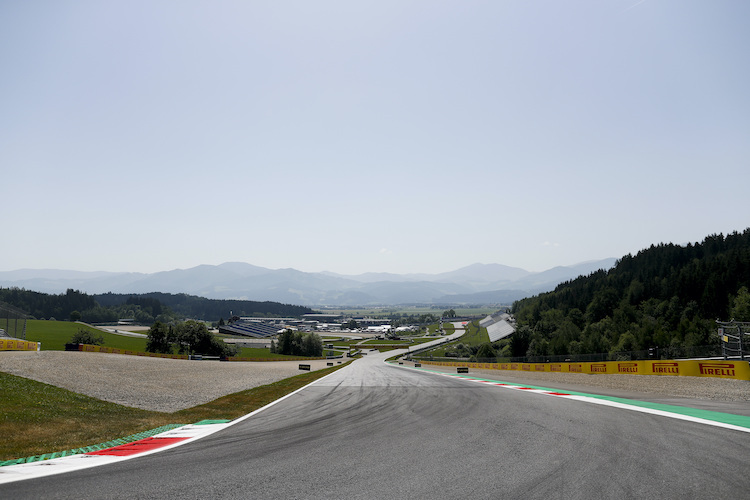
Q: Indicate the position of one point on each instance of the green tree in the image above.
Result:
(625, 343)
(194, 338)
(160, 338)
(486, 351)
(538, 346)
(741, 305)
(427, 318)
(312, 345)
(602, 305)
(520, 340)
(296, 344)
(286, 340)
(86, 337)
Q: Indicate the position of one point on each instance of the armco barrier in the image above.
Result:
(296, 358)
(385, 346)
(18, 345)
(734, 369)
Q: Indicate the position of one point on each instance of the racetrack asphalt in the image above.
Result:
(714, 394)
(373, 430)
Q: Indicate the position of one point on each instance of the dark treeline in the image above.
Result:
(666, 295)
(44, 305)
(191, 306)
(143, 308)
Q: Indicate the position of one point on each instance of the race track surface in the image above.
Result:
(373, 430)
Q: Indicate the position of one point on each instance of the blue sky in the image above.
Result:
(389, 136)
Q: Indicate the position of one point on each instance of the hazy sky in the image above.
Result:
(355, 136)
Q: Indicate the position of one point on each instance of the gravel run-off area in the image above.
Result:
(157, 384)
(168, 385)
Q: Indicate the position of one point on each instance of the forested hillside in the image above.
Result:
(44, 305)
(192, 306)
(666, 295)
(144, 308)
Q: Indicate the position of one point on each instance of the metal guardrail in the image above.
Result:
(732, 336)
(13, 321)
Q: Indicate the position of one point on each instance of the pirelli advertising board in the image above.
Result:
(17, 345)
(691, 368)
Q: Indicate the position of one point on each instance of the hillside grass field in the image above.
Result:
(55, 334)
(474, 336)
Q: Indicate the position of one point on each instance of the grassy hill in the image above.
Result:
(55, 334)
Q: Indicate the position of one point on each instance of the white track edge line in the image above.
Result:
(598, 401)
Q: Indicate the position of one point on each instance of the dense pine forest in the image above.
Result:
(192, 306)
(665, 296)
(143, 308)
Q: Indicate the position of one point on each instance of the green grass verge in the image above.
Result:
(259, 352)
(55, 334)
(474, 336)
(37, 418)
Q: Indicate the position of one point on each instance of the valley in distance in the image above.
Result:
(477, 284)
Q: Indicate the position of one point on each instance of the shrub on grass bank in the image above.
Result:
(86, 337)
(298, 344)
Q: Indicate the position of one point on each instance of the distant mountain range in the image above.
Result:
(474, 284)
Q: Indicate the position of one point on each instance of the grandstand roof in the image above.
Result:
(250, 329)
(498, 326)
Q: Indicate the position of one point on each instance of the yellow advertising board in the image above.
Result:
(17, 345)
(691, 368)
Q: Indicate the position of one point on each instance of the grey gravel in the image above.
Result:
(169, 385)
(156, 384)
